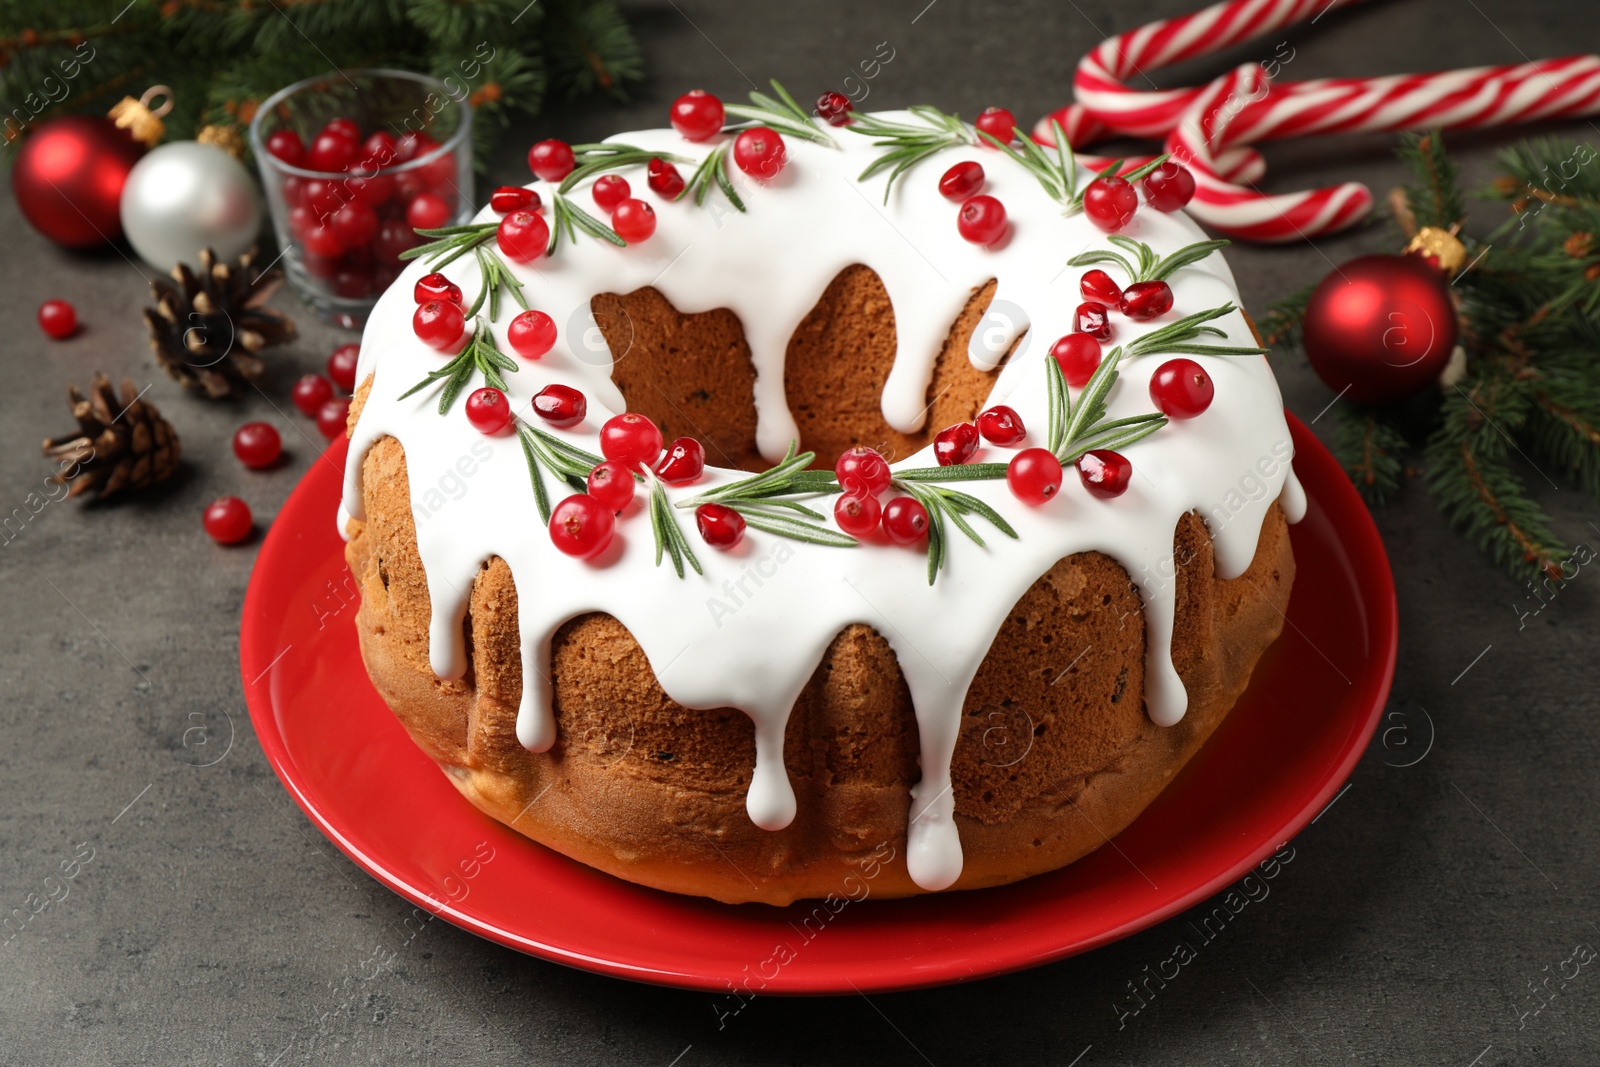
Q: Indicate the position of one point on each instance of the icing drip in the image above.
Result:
(751, 631)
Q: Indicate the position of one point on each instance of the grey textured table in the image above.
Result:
(215, 925)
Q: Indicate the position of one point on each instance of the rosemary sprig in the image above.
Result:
(770, 501)
(953, 506)
(1150, 266)
(669, 536)
(713, 170)
(450, 243)
(564, 461)
(492, 269)
(960, 472)
(480, 355)
(906, 144)
(567, 218)
(781, 114)
(1077, 428)
(594, 159)
(1178, 337)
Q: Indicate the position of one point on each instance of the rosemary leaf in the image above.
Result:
(607, 156)
(962, 472)
(539, 495)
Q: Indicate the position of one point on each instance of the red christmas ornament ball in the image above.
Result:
(1380, 328)
(68, 179)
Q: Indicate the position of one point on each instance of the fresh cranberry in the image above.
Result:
(609, 190)
(720, 526)
(1147, 300)
(356, 224)
(760, 153)
(1104, 473)
(411, 145)
(1099, 287)
(323, 240)
(310, 392)
(1034, 475)
(228, 520)
(982, 220)
(436, 286)
(684, 462)
(998, 123)
(664, 179)
(857, 515)
(905, 521)
(1168, 187)
(342, 366)
(834, 109)
(956, 444)
(1001, 425)
(428, 211)
(333, 416)
(287, 146)
(58, 319)
(324, 196)
(509, 198)
(488, 410)
(962, 181)
(634, 221)
(523, 236)
(380, 150)
(612, 484)
(257, 445)
(394, 237)
(332, 152)
(560, 405)
(532, 334)
(630, 439)
(551, 160)
(582, 526)
(697, 115)
(439, 324)
(373, 190)
(1181, 388)
(344, 127)
(862, 471)
(294, 190)
(1110, 203)
(1093, 319)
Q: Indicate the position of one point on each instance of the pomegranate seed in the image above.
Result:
(1168, 187)
(1002, 426)
(634, 221)
(310, 392)
(608, 191)
(58, 319)
(551, 160)
(332, 152)
(684, 462)
(228, 520)
(862, 472)
(612, 484)
(1078, 354)
(982, 220)
(1110, 203)
(523, 236)
(509, 198)
(333, 417)
(631, 439)
(1146, 300)
(257, 445)
(1093, 320)
(582, 526)
(664, 179)
(720, 526)
(439, 324)
(427, 211)
(998, 123)
(857, 515)
(697, 115)
(760, 153)
(1181, 389)
(560, 405)
(488, 410)
(1034, 475)
(961, 181)
(1098, 286)
(1104, 473)
(436, 286)
(834, 109)
(356, 224)
(532, 334)
(342, 366)
(956, 444)
(905, 521)
(287, 146)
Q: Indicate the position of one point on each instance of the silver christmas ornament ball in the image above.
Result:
(185, 196)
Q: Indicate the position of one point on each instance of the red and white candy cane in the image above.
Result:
(1209, 128)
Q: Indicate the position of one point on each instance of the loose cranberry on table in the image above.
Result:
(1168, 187)
(342, 366)
(1093, 320)
(982, 220)
(560, 405)
(551, 160)
(228, 520)
(630, 439)
(1147, 300)
(697, 115)
(760, 153)
(287, 146)
(857, 515)
(1001, 425)
(862, 471)
(956, 444)
(310, 392)
(905, 521)
(664, 179)
(436, 286)
(1098, 286)
(1181, 389)
(257, 445)
(439, 324)
(58, 319)
(961, 181)
(581, 526)
(609, 190)
(333, 417)
(634, 221)
(331, 152)
(428, 211)
(509, 198)
(834, 109)
(488, 410)
(612, 484)
(523, 236)
(998, 123)
(532, 334)
(1110, 203)
(720, 526)
(684, 462)
(1104, 473)
(1078, 356)
(1034, 475)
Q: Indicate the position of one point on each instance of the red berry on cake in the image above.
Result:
(439, 324)
(697, 115)
(257, 445)
(1147, 300)
(998, 123)
(1001, 425)
(982, 220)
(310, 392)
(560, 405)
(551, 160)
(1093, 319)
(1110, 203)
(961, 181)
(1034, 475)
(1104, 473)
(1181, 388)
(509, 198)
(905, 520)
(760, 153)
(720, 526)
(608, 191)
(523, 236)
(58, 319)
(1098, 286)
(631, 439)
(612, 484)
(227, 519)
(684, 462)
(857, 515)
(287, 146)
(427, 211)
(834, 109)
(532, 334)
(436, 286)
(1078, 356)
(664, 179)
(1168, 187)
(862, 471)
(342, 366)
(634, 221)
(333, 417)
(488, 410)
(956, 444)
(581, 526)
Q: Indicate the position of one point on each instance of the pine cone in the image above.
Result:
(206, 329)
(119, 447)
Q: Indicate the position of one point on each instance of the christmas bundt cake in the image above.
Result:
(746, 503)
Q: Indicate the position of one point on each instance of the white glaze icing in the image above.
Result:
(751, 631)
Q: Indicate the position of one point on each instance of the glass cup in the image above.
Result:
(342, 229)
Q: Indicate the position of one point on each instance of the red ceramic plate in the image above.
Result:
(1277, 760)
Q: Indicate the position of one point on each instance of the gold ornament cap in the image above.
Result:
(1440, 246)
(226, 138)
(142, 121)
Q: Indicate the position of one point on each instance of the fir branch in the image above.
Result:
(713, 170)
(480, 356)
(781, 114)
(905, 145)
(1150, 266)
(1281, 324)
(1369, 445)
(668, 534)
(567, 218)
(1436, 198)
